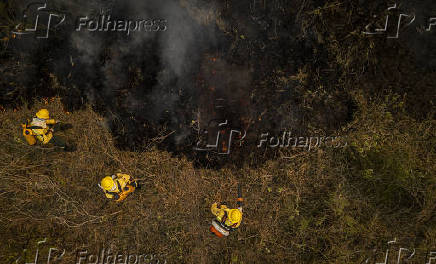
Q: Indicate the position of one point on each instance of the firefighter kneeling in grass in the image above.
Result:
(118, 186)
(41, 129)
(227, 220)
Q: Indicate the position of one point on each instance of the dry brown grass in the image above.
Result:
(301, 210)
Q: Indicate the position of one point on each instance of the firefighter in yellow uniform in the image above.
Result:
(41, 129)
(226, 219)
(118, 186)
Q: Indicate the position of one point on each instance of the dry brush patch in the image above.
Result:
(312, 207)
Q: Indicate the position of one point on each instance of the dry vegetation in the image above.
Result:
(325, 206)
(333, 206)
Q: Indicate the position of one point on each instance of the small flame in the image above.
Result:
(224, 146)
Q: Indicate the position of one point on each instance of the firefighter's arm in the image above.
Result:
(108, 194)
(112, 195)
(125, 177)
(50, 121)
(218, 212)
(214, 209)
(46, 137)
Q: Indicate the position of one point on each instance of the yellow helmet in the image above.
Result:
(235, 215)
(107, 183)
(43, 114)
